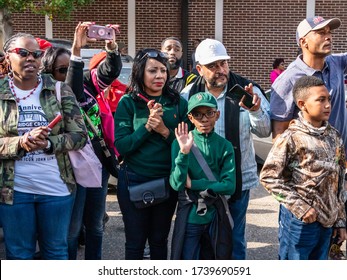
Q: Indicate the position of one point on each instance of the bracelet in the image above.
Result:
(115, 50)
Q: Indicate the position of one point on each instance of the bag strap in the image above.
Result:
(58, 94)
(208, 172)
(201, 160)
(57, 91)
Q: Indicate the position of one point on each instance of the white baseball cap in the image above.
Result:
(315, 23)
(210, 50)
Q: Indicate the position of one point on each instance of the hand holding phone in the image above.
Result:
(101, 32)
(239, 92)
(55, 121)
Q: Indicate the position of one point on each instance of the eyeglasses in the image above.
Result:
(154, 54)
(199, 116)
(61, 70)
(25, 53)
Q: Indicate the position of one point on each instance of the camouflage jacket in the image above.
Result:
(305, 168)
(69, 134)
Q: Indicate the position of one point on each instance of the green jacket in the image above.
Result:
(219, 155)
(146, 153)
(73, 137)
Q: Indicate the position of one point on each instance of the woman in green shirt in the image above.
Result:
(144, 131)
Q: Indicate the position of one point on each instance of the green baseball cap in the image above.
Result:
(201, 99)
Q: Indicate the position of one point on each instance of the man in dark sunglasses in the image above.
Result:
(179, 77)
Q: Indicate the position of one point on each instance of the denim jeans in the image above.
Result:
(301, 241)
(89, 210)
(197, 243)
(152, 223)
(238, 210)
(35, 217)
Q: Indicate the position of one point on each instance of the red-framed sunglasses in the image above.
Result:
(25, 53)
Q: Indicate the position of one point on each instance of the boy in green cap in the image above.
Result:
(193, 236)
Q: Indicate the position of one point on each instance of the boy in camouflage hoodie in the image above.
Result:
(304, 171)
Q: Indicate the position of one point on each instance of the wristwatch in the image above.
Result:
(49, 147)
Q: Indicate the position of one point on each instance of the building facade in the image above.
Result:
(255, 32)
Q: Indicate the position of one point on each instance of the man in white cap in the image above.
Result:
(314, 37)
(236, 123)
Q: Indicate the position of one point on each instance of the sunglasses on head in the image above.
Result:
(25, 53)
(61, 70)
(153, 54)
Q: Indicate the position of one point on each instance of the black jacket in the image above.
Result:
(220, 228)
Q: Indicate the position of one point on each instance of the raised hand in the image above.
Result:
(81, 38)
(111, 44)
(184, 138)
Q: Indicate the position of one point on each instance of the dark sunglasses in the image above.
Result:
(154, 54)
(61, 70)
(25, 53)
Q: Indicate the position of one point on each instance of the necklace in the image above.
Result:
(25, 97)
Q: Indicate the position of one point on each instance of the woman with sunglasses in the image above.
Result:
(56, 61)
(145, 120)
(37, 182)
(88, 213)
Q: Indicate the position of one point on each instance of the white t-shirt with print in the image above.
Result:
(37, 172)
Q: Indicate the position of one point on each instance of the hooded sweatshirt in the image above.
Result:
(305, 168)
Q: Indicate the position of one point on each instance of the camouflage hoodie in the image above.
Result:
(305, 168)
(70, 134)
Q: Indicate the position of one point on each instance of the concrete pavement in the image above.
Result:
(261, 228)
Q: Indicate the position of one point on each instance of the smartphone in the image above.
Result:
(240, 92)
(55, 121)
(100, 32)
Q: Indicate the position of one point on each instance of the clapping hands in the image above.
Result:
(155, 121)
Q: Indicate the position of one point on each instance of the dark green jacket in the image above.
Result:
(219, 155)
(73, 137)
(146, 153)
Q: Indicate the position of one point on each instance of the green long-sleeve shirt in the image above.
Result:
(219, 155)
(146, 153)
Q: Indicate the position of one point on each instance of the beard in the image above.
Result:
(217, 84)
(176, 65)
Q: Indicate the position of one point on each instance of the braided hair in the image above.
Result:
(8, 44)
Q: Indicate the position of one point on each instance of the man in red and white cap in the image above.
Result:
(314, 37)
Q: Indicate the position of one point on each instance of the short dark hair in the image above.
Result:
(171, 38)
(303, 84)
(277, 62)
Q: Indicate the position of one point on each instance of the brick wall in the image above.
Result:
(101, 12)
(257, 32)
(254, 32)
